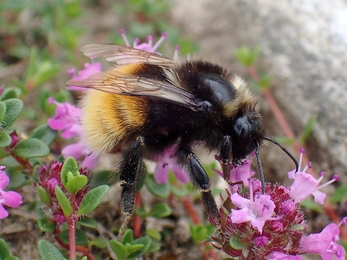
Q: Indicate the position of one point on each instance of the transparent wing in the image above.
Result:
(124, 55)
(116, 82)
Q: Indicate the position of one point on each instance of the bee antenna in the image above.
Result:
(260, 167)
(284, 150)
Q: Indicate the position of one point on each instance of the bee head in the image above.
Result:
(246, 136)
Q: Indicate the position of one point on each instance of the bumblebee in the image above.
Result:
(148, 103)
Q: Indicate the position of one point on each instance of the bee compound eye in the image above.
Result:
(242, 127)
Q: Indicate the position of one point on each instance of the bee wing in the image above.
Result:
(124, 55)
(119, 83)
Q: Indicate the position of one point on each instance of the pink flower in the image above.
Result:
(66, 119)
(8, 198)
(78, 151)
(145, 46)
(324, 243)
(88, 70)
(256, 210)
(305, 184)
(166, 163)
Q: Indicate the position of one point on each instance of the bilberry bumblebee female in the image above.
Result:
(148, 103)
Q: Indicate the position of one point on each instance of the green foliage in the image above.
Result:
(10, 111)
(247, 56)
(159, 210)
(63, 201)
(48, 251)
(46, 225)
(340, 194)
(238, 243)
(4, 250)
(31, 148)
(201, 233)
(71, 178)
(158, 190)
(128, 248)
(92, 199)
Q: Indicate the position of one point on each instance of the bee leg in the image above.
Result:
(199, 179)
(130, 168)
(225, 155)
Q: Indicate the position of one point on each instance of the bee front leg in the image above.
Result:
(225, 155)
(130, 169)
(200, 179)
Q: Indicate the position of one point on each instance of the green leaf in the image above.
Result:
(81, 237)
(310, 204)
(88, 222)
(103, 178)
(92, 199)
(4, 251)
(247, 56)
(44, 73)
(31, 148)
(132, 249)
(119, 249)
(17, 179)
(43, 195)
(5, 139)
(10, 93)
(264, 81)
(48, 251)
(127, 237)
(153, 233)
(76, 183)
(160, 210)
(158, 190)
(238, 242)
(154, 247)
(70, 166)
(13, 108)
(339, 195)
(145, 241)
(63, 201)
(44, 133)
(98, 242)
(2, 111)
(46, 225)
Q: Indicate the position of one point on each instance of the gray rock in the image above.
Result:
(303, 46)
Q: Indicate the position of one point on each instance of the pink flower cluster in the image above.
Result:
(271, 225)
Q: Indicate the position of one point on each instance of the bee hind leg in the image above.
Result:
(200, 179)
(130, 169)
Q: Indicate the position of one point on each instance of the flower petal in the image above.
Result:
(161, 172)
(4, 180)
(11, 199)
(3, 212)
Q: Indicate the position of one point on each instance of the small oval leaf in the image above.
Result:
(92, 199)
(4, 251)
(48, 251)
(119, 249)
(63, 201)
(5, 139)
(13, 108)
(2, 111)
(31, 148)
(159, 190)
